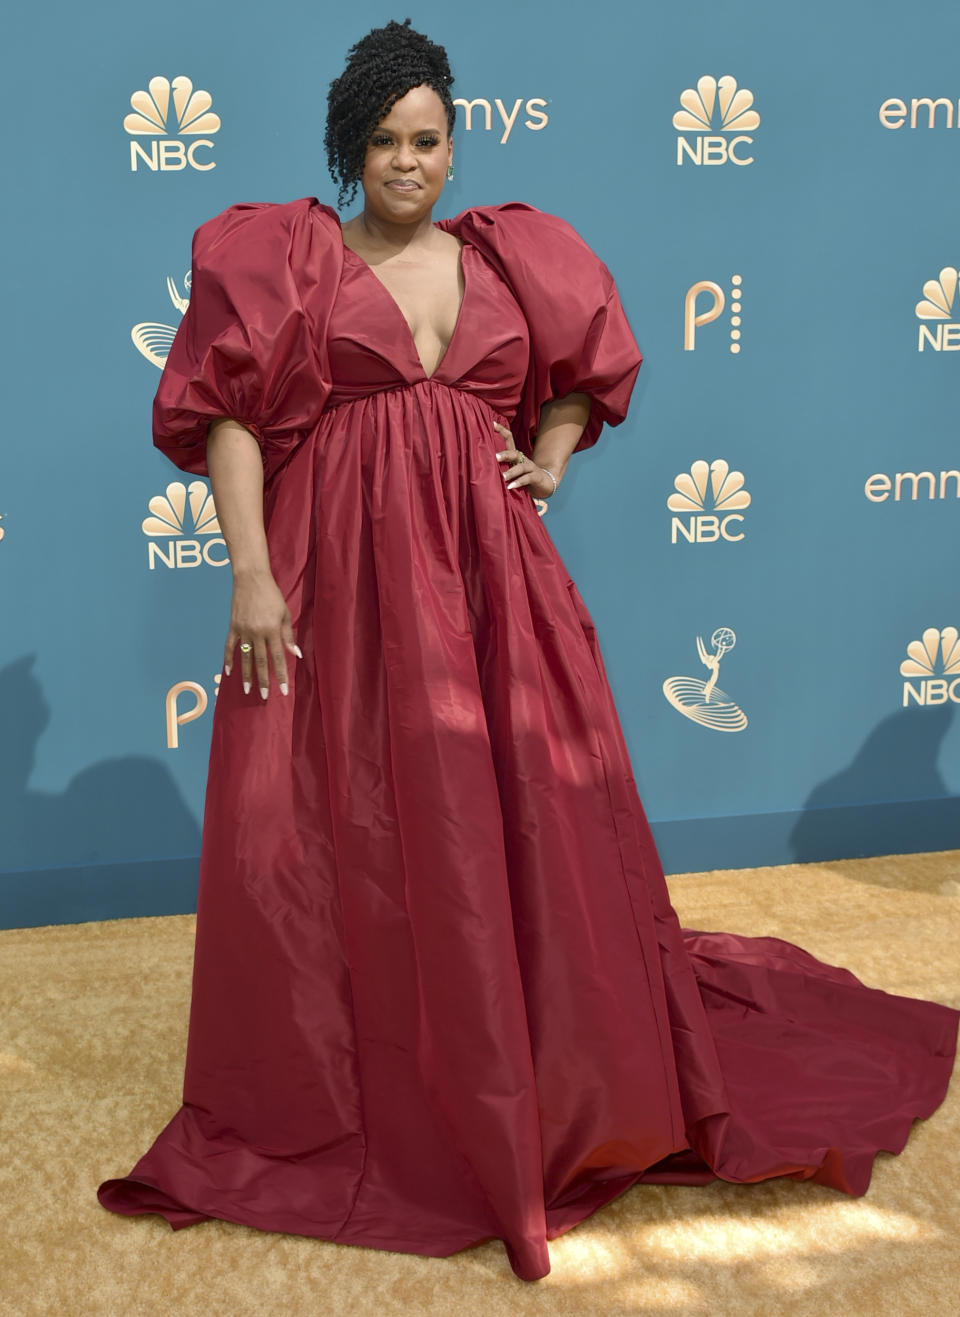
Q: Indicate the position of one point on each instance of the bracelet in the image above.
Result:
(553, 478)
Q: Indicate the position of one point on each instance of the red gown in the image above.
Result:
(439, 992)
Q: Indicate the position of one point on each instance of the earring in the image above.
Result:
(449, 171)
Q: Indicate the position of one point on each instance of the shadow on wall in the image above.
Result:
(907, 804)
(58, 851)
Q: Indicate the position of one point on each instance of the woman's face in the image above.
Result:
(407, 158)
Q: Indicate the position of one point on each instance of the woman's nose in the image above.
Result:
(403, 157)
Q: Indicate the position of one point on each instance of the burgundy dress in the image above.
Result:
(439, 993)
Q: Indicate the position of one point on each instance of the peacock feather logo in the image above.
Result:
(713, 105)
(935, 653)
(191, 113)
(939, 296)
(168, 511)
(714, 482)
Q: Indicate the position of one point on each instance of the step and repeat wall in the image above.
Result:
(768, 545)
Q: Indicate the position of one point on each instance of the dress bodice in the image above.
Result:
(371, 347)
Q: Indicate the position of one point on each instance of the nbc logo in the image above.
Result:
(935, 660)
(939, 303)
(693, 319)
(710, 496)
(167, 523)
(152, 338)
(175, 716)
(710, 109)
(154, 116)
(703, 701)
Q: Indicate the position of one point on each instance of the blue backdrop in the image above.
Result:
(767, 545)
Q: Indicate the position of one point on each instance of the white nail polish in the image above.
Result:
(264, 692)
(246, 688)
(226, 671)
(296, 650)
(284, 688)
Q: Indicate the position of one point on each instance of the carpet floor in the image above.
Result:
(92, 1039)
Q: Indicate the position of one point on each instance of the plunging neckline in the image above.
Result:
(399, 309)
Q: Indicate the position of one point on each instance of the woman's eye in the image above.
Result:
(422, 143)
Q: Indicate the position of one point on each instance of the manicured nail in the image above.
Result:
(511, 484)
(246, 688)
(296, 650)
(284, 688)
(226, 671)
(264, 692)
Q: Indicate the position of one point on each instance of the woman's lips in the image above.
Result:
(403, 185)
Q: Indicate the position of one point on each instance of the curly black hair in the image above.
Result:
(383, 66)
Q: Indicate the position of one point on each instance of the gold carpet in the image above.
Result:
(91, 1064)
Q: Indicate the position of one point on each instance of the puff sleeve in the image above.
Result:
(245, 347)
(580, 338)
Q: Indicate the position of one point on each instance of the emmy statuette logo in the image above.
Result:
(712, 497)
(934, 663)
(169, 539)
(939, 304)
(693, 317)
(153, 339)
(165, 119)
(175, 716)
(703, 701)
(721, 116)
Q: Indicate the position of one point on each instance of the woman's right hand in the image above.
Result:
(259, 617)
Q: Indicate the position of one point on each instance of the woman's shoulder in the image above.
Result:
(253, 232)
(511, 217)
(517, 229)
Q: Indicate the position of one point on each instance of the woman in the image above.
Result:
(439, 992)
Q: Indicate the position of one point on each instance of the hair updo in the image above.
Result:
(382, 66)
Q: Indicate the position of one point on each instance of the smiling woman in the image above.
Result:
(440, 994)
(404, 170)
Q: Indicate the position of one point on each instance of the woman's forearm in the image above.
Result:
(236, 476)
(562, 422)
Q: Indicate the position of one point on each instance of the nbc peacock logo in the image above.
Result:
(174, 543)
(153, 338)
(708, 503)
(722, 116)
(933, 662)
(939, 304)
(703, 701)
(165, 113)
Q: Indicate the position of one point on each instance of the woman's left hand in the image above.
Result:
(522, 470)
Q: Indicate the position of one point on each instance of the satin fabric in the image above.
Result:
(439, 992)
